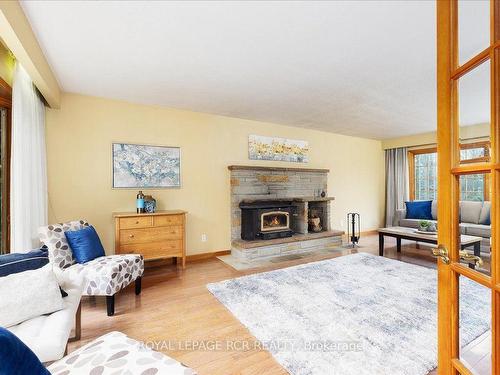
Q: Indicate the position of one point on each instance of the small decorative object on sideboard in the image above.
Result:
(149, 204)
(140, 203)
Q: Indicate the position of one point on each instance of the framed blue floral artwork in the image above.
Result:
(146, 166)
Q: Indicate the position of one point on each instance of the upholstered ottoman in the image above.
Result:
(116, 353)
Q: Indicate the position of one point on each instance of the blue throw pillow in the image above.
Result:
(85, 244)
(17, 358)
(421, 210)
(18, 262)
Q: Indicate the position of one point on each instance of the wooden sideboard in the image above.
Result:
(157, 235)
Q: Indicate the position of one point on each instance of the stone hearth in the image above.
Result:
(300, 186)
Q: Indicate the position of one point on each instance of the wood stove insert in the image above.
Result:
(266, 220)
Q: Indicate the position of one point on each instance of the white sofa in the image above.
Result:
(47, 335)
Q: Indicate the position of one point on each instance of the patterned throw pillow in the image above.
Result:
(53, 237)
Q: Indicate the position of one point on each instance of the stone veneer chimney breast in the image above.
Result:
(302, 186)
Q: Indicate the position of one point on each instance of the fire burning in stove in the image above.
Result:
(274, 221)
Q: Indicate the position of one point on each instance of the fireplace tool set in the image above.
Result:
(353, 229)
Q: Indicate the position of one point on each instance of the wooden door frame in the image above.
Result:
(449, 172)
(411, 166)
(6, 102)
(446, 137)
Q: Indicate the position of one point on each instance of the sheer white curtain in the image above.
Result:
(28, 188)
(396, 178)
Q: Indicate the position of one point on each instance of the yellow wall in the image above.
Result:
(79, 137)
(466, 132)
(6, 65)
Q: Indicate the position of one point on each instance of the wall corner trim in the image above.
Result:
(17, 34)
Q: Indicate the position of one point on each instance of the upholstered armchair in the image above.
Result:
(103, 276)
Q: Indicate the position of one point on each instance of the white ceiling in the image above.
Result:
(362, 68)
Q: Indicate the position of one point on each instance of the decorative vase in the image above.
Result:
(149, 204)
(140, 202)
(432, 227)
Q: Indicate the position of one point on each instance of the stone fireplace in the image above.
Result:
(279, 211)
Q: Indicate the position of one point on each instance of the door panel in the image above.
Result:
(474, 114)
(468, 94)
(473, 28)
(475, 326)
(473, 221)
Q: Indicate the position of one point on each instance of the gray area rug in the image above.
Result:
(356, 314)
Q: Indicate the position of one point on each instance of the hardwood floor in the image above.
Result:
(175, 312)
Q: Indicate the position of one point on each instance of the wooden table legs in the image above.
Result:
(381, 244)
(477, 252)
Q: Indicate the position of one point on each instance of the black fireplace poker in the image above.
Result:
(353, 228)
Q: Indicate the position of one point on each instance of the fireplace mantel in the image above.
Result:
(277, 169)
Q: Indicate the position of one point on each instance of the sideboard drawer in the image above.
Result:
(136, 222)
(167, 220)
(154, 250)
(145, 235)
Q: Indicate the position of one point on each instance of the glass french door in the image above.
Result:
(468, 108)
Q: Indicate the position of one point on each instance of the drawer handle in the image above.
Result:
(131, 236)
(173, 232)
(137, 222)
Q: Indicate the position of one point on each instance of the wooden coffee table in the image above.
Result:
(404, 233)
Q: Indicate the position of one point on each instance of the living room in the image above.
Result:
(247, 187)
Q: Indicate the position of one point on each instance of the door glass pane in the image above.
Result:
(475, 326)
(475, 221)
(474, 114)
(473, 28)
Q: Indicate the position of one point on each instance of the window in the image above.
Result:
(425, 176)
(423, 173)
(472, 187)
(474, 152)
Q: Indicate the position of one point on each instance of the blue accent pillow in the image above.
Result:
(85, 244)
(421, 210)
(18, 262)
(17, 358)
